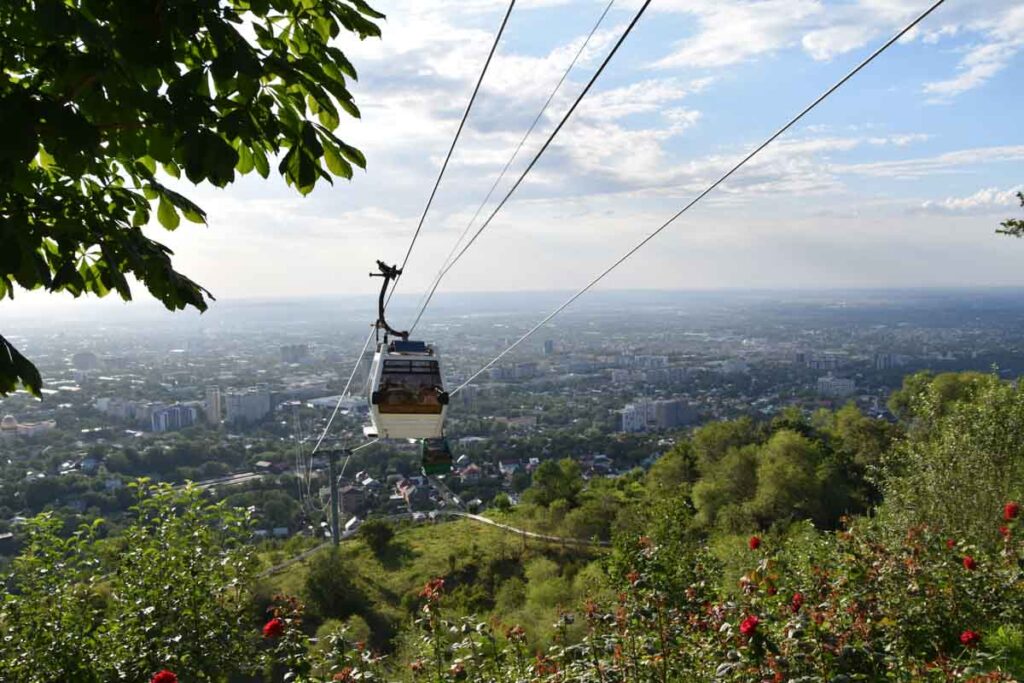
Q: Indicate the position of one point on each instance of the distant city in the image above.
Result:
(236, 398)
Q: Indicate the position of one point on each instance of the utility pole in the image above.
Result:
(332, 467)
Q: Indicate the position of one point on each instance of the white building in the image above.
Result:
(836, 387)
(171, 418)
(214, 408)
(248, 405)
(634, 417)
(10, 427)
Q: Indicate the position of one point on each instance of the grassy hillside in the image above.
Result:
(488, 572)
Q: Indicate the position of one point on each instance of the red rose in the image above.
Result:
(1004, 531)
(950, 543)
(164, 676)
(1011, 510)
(969, 563)
(970, 638)
(273, 628)
(749, 625)
(797, 602)
(754, 543)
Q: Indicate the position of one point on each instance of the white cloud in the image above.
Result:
(826, 43)
(943, 163)
(1004, 38)
(985, 200)
(731, 31)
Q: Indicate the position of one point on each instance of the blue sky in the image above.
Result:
(899, 180)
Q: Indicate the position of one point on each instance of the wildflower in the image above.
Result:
(797, 602)
(273, 628)
(950, 543)
(515, 633)
(432, 589)
(970, 564)
(544, 666)
(164, 676)
(970, 638)
(1011, 510)
(633, 577)
(457, 671)
(416, 666)
(749, 625)
(1004, 531)
(360, 645)
(754, 542)
(343, 675)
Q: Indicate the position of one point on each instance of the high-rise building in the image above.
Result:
(549, 347)
(86, 360)
(294, 353)
(634, 418)
(673, 413)
(170, 418)
(248, 405)
(213, 405)
(836, 387)
(884, 361)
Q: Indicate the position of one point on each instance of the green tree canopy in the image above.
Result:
(1014, 226)
(554, 481)
(956, 474)
(103, 101)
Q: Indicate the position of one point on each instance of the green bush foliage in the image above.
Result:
(741, 555)
(172, 595)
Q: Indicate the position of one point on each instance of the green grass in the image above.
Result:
(474, 559)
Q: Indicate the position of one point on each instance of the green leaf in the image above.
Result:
(335, 164)
(353, 155)
(245, 161)
(15, 369)
(46, 162)
(259, 160)
(149, 163)
(167, 214)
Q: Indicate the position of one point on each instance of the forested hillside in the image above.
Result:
(822, 547)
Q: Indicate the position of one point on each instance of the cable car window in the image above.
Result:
(410, 386)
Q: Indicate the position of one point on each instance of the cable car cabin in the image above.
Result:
(435, 457)
(407, 399)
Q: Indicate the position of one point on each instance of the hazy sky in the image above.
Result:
(898, 180)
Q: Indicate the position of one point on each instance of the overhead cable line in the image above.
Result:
(444, 166)
(535, 159)
(511, 160)
(707, 191)
(344, 392)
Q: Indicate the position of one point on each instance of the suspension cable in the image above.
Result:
(344, 392)
(706, 192)
(458, 132)
(421, 306)
(536, 157)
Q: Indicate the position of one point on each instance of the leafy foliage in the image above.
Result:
(969, 441)
(102, 101)
(377, 534)
(1014, 226)
(173, 596)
